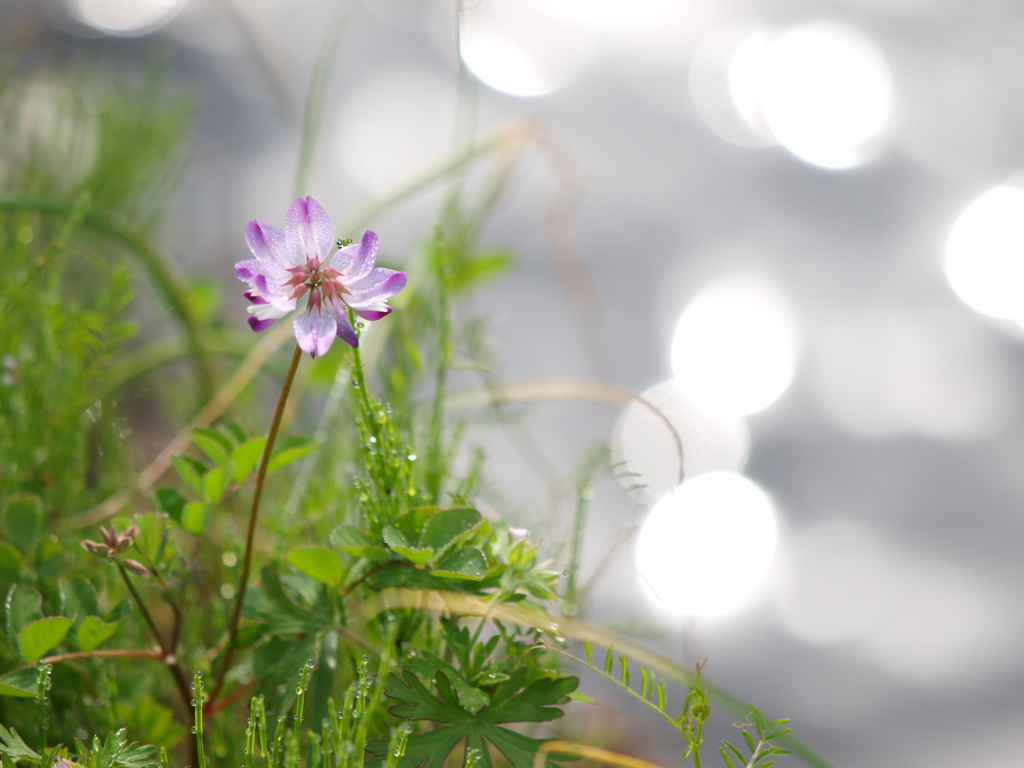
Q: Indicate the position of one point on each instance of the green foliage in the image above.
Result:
(510, 702)
(369, 544)
(760, 747)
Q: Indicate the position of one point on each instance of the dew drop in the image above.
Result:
(193, 729)
(360, 324)
(412, 457)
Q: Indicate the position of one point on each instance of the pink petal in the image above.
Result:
(315, 332)
(345, 330)
(260, 325)
(267, 243)
(378, 286)
(308, 230)
(374, 314)
(356, 261)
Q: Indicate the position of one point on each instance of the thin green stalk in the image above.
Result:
(261, 476)
(166, 651)
(360, 383)
(197, 705)
(143, 610)
(435, 471)
(569, 602)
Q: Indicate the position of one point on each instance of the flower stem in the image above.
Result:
(261, 476)
(360, 382)
(144, 610)
(167, 654)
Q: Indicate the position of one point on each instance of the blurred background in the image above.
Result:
(797, 228)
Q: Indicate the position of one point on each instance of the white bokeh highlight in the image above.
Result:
(735, 348)
(985, 254)
(726, 74)
(646, 454)
(124, 17)
(518, 47)
(704, 548)
(827, 93)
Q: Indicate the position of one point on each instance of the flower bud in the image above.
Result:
(101, 550)
(136, 567)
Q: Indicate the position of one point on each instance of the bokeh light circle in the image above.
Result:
(826, 93)
(124, 17)
(985, 254)
(645, 451)
(518, 48)
(726, 73)
(704, 548)
(735, 348)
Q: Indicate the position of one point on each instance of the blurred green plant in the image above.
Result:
(381, 583)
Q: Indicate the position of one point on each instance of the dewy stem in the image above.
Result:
(360, 382)
(261, 476)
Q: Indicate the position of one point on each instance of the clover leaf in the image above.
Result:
(537, 702)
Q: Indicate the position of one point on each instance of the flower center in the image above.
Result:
(321, 282)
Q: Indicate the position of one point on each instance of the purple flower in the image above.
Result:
(292, 263)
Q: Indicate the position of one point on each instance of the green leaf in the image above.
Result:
(119, 611)
(510, 703)
(22, 683)
(213, 444)
(751, 744)
(195, 517)
(11, 562)
(80, 598)
(191, 471)
(276, 664)
(395, 538)
(444, 529)
(414, 556)
(37, 638)
(48, 559)
(352, 541)
(246, 456)
(152, 539)
(281, 614)
(24, 605)
(412, 523)
(13, 747)
(401, 574)
(93, 632)
(170, 501)
(735, 751)
(468, 563)
(287, 451)
(322, 563)
(400, 545)
(24, 521)
(215, 482)
(235, 433)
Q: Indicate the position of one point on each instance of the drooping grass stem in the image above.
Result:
(167, 654)
(261, 476)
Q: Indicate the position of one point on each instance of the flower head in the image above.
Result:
(293, 263)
